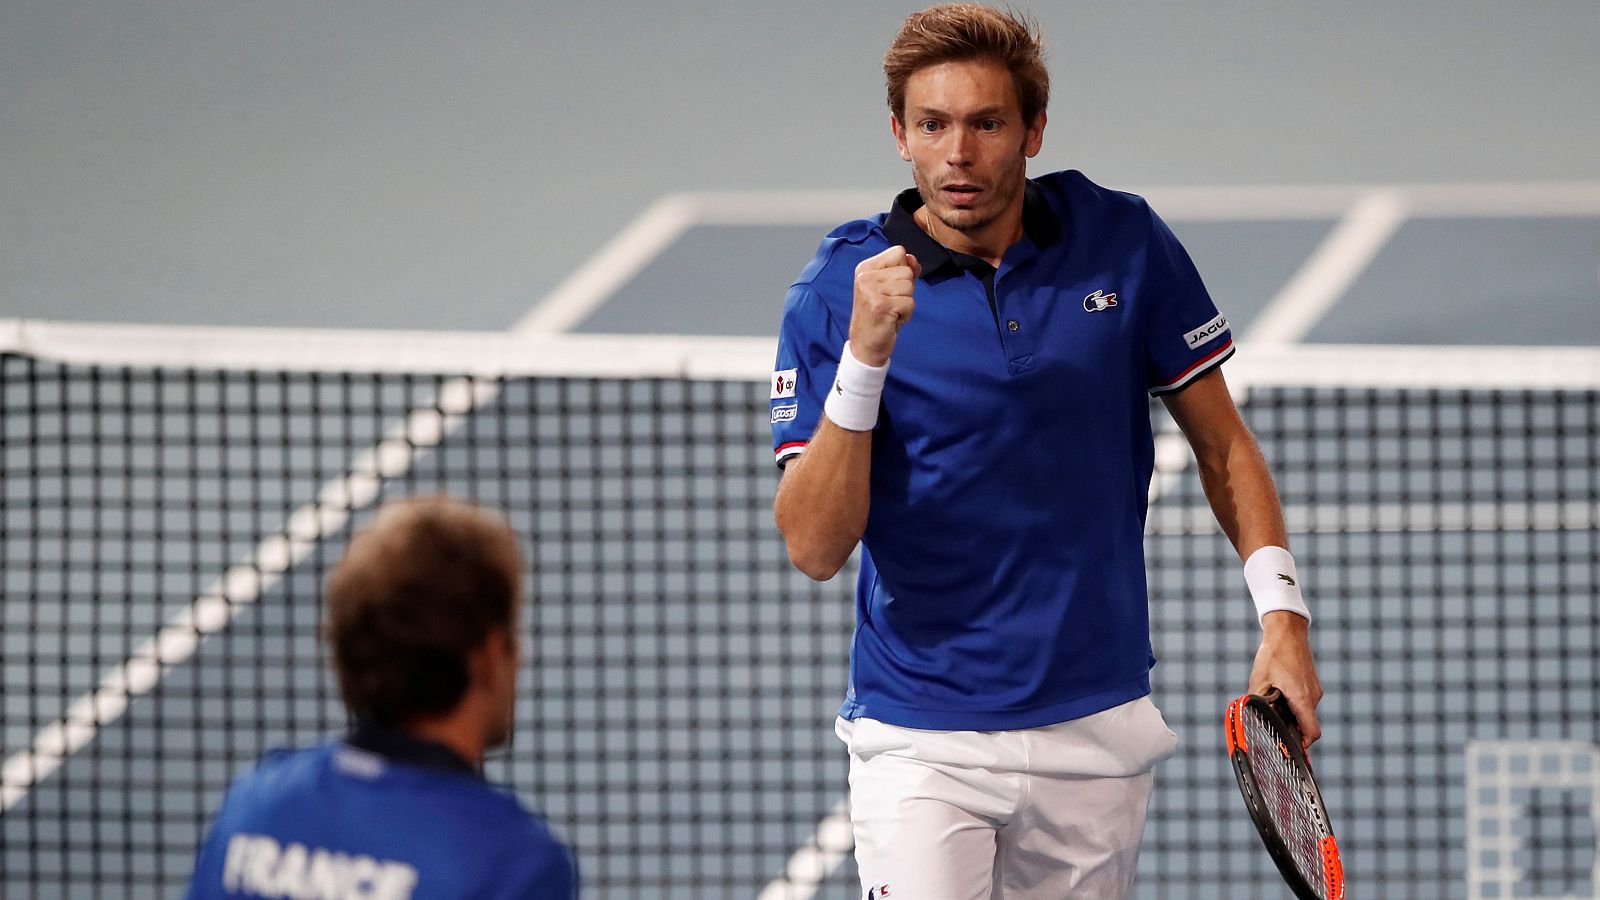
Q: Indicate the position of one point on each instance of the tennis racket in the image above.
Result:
(1280, 790)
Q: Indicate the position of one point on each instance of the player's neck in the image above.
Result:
(461, 734)
(988, 243)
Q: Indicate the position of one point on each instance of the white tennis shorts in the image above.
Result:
(1052, 813)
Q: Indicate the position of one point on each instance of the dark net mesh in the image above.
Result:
(674, 719)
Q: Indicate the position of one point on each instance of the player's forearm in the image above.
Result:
(1242, 495)
(1239, 487)
(822, 502)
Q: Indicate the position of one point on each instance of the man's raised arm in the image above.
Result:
(822, 502)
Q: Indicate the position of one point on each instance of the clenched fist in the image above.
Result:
(883, 302)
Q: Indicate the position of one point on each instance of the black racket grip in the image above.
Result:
(1274, 698)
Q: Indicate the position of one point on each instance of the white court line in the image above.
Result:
(1325, 276)
(1245, 203)
(1176, 204)
(824, 208)
(1510, 201)
(614, 266)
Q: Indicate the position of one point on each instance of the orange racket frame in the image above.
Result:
(1277, 717)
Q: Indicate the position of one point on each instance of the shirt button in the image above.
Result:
(1013, 325)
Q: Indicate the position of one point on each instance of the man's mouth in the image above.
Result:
(961, 194)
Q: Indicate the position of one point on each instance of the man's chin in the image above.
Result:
(962, 219)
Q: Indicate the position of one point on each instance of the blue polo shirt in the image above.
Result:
(380, 816)
(1002, 578)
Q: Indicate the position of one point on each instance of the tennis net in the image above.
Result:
(172, 498)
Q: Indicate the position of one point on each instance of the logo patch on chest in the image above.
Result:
(1099, 300)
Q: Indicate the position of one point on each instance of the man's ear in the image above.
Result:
(1035, 137)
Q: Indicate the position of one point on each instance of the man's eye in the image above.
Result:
(928, 126)
(989, 125)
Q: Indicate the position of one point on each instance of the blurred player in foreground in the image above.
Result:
(422, 619)
(962, 386)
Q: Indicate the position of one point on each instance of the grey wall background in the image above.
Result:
(417, 165)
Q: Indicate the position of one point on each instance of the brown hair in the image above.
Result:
(417, 589)
(955, 32)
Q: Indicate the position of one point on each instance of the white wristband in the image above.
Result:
(852, 402)
(1274, 583)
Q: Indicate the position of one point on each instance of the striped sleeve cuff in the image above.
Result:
(1216, 358)
(786, 452)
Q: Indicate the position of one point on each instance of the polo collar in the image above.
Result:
(1040, 224)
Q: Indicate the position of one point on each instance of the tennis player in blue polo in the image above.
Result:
(962, 387)
(422, 616)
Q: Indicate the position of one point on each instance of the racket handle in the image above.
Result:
(1274, 698)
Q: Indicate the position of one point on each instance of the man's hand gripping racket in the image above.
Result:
(1280, 791)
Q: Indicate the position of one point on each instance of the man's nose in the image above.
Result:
(961, 146)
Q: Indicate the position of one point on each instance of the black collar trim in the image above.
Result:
(400, 747)
(1039, 223)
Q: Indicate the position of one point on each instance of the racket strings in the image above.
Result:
(1292, 808)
